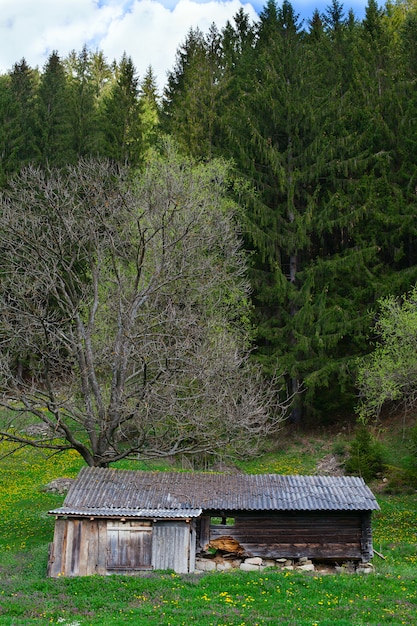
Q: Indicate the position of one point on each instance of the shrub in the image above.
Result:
(366, 455)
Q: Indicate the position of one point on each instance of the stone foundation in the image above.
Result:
(221, 563)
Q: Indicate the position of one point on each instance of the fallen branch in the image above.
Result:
(380, 555)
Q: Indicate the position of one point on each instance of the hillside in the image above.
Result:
(387, 596)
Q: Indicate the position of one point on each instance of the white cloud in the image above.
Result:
(146, 30)
(150, 31)
(33, 29)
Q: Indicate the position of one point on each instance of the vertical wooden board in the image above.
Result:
(171, 546)
(112, 546)
(66, 555)
(82, 547)
(101, 566)
(92, 548)
(203, 532)
(88, 539)
(75, 549)
(123, 548)
(366, 537)
(192, 547)
(51, 559)
(57, 549)
(156, 545)
(182, 553)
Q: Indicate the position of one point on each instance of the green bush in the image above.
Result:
(339, 449)
(413, 444)
(366, 455)
(410, 460)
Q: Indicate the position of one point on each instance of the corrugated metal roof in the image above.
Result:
(159, 494)
(119, 512)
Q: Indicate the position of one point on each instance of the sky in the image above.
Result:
(149, 31)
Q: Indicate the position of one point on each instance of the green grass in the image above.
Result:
(213, 599)
(389, 596)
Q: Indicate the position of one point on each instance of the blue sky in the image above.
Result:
(150, 31)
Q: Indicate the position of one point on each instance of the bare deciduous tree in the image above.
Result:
(123, 306)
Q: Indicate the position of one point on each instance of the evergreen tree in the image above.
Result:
(271, 136)
(149, 99)
(236, 40)
(372, 23)
(23, 85)
(238, 64)
(121, 114)
(18, 118)
(316, 25)
(101, 73)
(6, 123)
(191, 96)
(82, 103)
(56, 143)
(335, 20)
(268, 23)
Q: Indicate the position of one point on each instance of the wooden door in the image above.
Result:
(129, 546)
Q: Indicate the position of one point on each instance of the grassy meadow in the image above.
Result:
(387, 596)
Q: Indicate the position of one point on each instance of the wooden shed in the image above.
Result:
(118, 521)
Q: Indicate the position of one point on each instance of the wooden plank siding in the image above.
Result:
(78, 548)
(319, 535)
(129, 546)
(174, 546)
(83, 547)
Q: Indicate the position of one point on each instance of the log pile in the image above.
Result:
(227, 544)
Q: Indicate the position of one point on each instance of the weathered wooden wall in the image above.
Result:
(129, 546)
(323, 535)
(79, 548)
(173, 546)
(83, 547)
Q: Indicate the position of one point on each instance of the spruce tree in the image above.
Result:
(101, 73)
(6, 125)
(121, 115)
(55, 139)
(19, 117)
(23, 87)
(191, 97)
(82, 104)
(149, 99)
